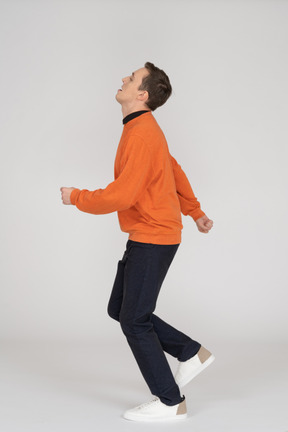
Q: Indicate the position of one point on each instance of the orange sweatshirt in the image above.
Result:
(150, 189)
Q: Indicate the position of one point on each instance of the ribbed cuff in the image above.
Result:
(196, 214)
(74, 195)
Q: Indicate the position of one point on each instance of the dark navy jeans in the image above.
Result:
(140, 274)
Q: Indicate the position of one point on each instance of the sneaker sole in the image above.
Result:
(153, 419)
(197, 371)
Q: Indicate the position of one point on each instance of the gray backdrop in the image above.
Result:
(225, 123)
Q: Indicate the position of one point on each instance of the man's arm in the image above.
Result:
(136, 175)
(188, 202)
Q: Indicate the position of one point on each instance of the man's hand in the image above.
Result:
(204, 224)
(65, 194)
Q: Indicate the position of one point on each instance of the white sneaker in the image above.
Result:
(189, 369)
(157, 410)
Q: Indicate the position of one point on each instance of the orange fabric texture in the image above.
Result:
(150, 189)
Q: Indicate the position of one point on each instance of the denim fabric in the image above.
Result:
(140, 274)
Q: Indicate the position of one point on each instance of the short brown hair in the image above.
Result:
(157, 84)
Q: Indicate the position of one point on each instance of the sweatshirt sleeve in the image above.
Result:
(188, 202)
(135, 176)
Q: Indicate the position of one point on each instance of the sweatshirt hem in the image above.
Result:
(164, 239)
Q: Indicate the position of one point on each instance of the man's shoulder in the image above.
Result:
(147, 129)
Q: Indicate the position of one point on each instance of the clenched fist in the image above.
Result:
(204, 224)
(65, 194)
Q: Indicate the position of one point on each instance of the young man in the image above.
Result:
(149, 193)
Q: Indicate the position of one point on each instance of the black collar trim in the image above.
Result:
(133, 115)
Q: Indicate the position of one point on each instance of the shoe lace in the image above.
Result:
(155, 399)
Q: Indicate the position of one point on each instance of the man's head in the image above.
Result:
(146, 88)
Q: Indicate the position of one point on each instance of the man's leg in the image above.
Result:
(146, 267)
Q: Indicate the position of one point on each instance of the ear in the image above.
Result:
(143, 95)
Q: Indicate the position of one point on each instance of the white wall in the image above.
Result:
(226, 124)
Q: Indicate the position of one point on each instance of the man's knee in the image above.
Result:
(113, 313)
(133, 326)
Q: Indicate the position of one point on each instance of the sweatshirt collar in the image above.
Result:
(133, 115)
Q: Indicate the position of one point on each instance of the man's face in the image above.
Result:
(129, 91)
